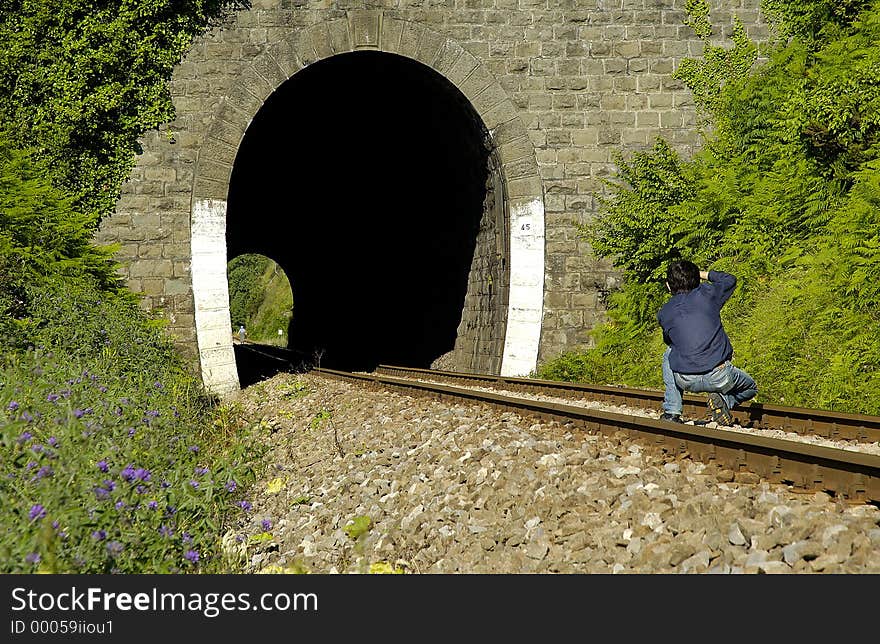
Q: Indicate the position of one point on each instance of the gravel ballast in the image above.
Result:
(362, 480)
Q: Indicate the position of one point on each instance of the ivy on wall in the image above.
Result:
(81, 80)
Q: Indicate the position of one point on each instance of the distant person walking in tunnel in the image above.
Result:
(242, 333)
(698, 353)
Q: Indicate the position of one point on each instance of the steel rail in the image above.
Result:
(800, 420)
(852, 476)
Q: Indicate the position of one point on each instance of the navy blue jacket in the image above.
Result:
(691, 324)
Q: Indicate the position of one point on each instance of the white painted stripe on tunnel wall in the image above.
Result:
(211, 296)
(525, 309)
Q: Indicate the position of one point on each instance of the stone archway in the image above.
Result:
(366, 30)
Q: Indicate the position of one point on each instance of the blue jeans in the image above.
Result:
(735, 385)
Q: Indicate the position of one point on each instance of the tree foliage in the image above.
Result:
(785, 194)
(81, 80)
(260, 297)
(44, 240)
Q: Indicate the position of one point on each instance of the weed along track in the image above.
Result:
(850, 473)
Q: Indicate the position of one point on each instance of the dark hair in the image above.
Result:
(682, 277)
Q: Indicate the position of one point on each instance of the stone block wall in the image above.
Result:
(586, 79)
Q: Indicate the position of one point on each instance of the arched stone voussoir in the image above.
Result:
(462, 67)
(319, 37)
(218, 150)
(476, 82)
(389, 38)
(340, 35)
(267, 68)
(255, 84)
(285, 56)
(410, 39)
(304, 49)
(430, 47)
(509, 131)
(493, 94)
(228, 125)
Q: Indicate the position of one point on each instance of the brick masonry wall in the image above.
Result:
(588, 79)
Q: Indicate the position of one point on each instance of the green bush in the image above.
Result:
(260, 298)
(111, 459)
(785, 195)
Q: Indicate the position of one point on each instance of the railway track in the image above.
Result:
(798, 420)
(851, 475)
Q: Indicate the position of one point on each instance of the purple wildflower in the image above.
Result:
(32, 557)
(102, 465)
(192, 556)
(37, 448)
(120, 505)
(101, 494)
(142, 474)
(230, 487)
(127, 473)
(165, 484)
(37, 512)
(110, 484)
(102, 389)
(131, 432)
(187, 537)
(53, 441)
(152, 505)
(27, 417)
(152, 413)
(52, 397)
(239, 538)
(195, 484)
(267, 524)
(99, 535)
(114, 549)
(140, 489)
(12, 406)
(165, 531)
(44, 472)
(78, 413)
(244, 505)
(30, 465)
(24, 438)
(55, 525)
(201, 470)
(194, 448)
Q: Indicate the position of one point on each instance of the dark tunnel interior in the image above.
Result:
(364, 177)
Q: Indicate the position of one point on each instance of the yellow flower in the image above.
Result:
(275, 486)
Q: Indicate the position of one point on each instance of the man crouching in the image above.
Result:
(698, 354)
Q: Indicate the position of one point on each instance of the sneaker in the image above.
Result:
(672, 418)
(718, 409)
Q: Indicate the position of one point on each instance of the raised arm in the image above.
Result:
(724, 284)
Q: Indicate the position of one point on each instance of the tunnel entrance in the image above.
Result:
(366, 176)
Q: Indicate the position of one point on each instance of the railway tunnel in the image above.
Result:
(370, 180)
